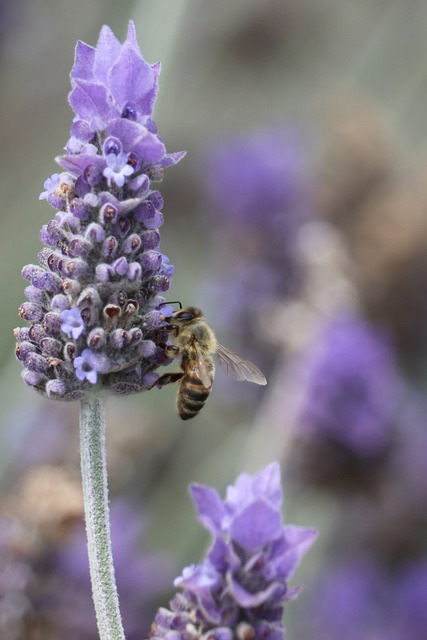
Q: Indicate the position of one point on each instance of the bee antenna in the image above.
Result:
(172, 302)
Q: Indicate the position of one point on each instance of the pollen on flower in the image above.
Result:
(58, 187)
(50, 185)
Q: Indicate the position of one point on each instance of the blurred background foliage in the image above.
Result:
(298, 221)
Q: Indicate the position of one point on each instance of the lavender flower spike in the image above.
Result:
(94, 299)
(240, 588)
(94, 296)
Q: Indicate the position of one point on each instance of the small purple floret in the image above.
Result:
(53, 183)
(50, 185)
(117, 169)
(85, 366)
(72, 322)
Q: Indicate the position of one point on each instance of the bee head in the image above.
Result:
(187, 315)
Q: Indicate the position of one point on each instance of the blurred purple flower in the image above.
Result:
(410, 606)
(16, 579)
(352, 388)
(357, 599)
(141, 578)
(45, 584)
(258, 186)
(240, 588)
(257, 180)
(348, 602)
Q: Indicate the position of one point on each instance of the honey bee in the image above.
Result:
(193, 339)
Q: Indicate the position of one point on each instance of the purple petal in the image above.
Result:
(92, 376)
(91, 102)
(300, 537)
(257, 525)
(134, 271)
(201, 580)
(138, 139)
(172, 158)
(80, 132)
(299, 540)
(120, 266)
(198, 577)
(107, 51)
(250, 600)
(32, 378)
(55, 388)
(83, 63)
(77, 164)
(222, 556)
(209, 505)
(155, 222)
(267, 484)
(131, 78)
(131, 36)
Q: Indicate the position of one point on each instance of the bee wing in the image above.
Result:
(201, 369)
(238, 367)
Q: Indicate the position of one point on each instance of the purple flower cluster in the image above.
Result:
(257, 183)
(240, 588)
(16, 578)
(141, 578)
(93, 299)
(44, 577)
(352, 388)
(257, 180)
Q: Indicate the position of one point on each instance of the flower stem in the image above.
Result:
(95, 496)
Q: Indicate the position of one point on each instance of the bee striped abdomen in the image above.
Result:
(192, 396)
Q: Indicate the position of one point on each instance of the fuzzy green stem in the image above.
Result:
(95, 496)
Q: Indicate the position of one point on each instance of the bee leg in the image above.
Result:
(167, 378)
(172, 350)
(172, 328)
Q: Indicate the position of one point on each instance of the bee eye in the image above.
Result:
(185, 315)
